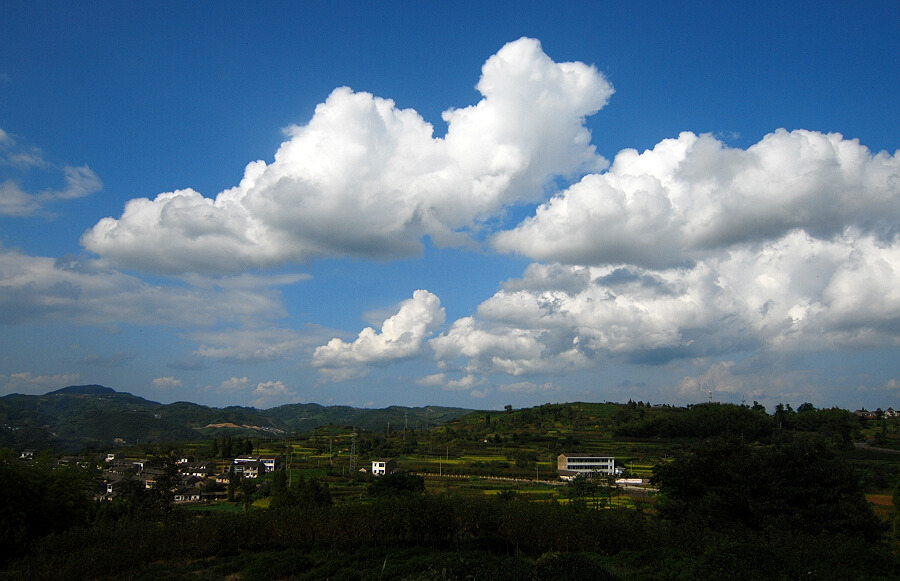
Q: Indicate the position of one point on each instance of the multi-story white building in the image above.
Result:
(569, 465)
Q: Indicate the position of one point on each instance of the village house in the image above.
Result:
(185, 494)
(271, 463)
(199, 469)
(255, 466)
(248, 467)
(383, 466)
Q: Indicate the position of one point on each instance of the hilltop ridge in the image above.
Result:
(92, 389)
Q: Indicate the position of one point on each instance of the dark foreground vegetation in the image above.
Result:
(753, 496)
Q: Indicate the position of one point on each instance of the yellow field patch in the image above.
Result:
(880, 499)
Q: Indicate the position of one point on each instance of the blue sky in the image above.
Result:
(476, 204)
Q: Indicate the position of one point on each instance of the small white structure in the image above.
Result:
(569, 466)
(383, 466)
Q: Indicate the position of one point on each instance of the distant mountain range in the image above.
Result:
(80, 416)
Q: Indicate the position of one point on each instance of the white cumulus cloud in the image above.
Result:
(166, 382)
(235, 384)
(268, 393)
(402, 336)
(365, 178)
(692, 196)
(795, 293)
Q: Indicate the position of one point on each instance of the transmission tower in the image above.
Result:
(353, 452)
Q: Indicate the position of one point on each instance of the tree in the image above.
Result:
(36, 500)
(896, 500)
(232, 483)
(800, 486)
(278, 497)
(396, 484)
(583, 488)
(162, 494)
(246, 489)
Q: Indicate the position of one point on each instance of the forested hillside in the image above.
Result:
(92, 416)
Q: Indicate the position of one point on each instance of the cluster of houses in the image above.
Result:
(889, 413)
(195, 481)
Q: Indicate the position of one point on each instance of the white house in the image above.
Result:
(383, 466)
(249, 469)
(270, 462)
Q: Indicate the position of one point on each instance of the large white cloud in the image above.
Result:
(365, 178)
(796, 293)
(690, 197)
(402, 336)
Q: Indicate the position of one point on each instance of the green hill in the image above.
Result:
(76, 417)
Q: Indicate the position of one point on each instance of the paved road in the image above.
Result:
(866, 446)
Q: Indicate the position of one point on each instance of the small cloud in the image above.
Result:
(341, 374)
(14, 201)
(432, 380)
(467, 382)
(235, 384)
(115, 360)
(189, 364)
(716, 379)
(166, 382)
(248, 345)
(888, 386)
(526, 387)
(27, 382)
(270, 392)
(440, 380)
(80, 182)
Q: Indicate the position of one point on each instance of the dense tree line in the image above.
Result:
(307, 540)
(748, 423)
(723, 483)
